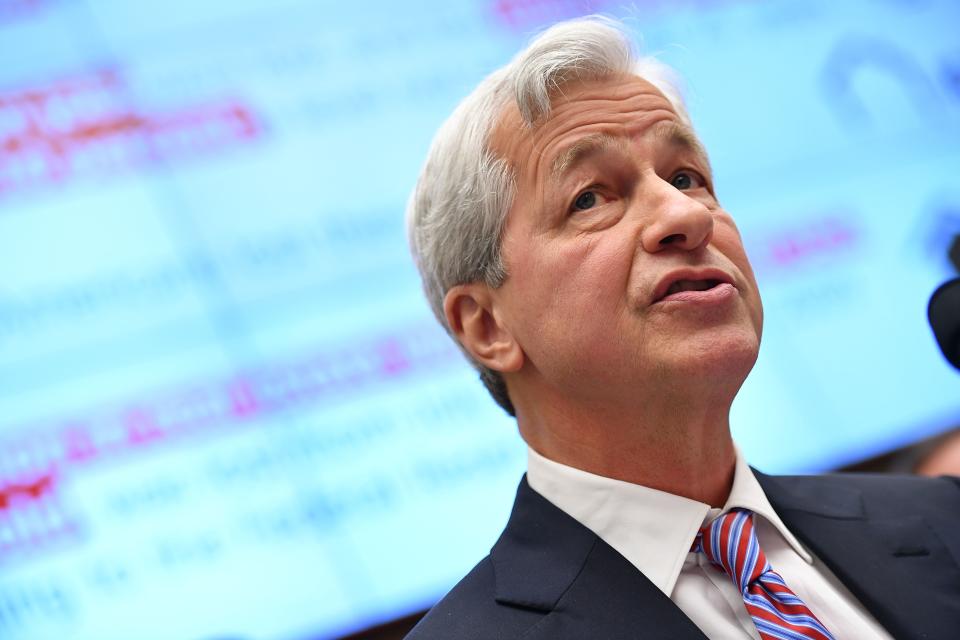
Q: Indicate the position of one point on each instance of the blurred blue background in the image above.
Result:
(225, 408)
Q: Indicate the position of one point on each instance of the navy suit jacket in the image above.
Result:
(894, 541)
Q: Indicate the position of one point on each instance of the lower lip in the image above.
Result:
(715, 295)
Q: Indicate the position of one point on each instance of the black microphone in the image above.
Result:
(944, 314)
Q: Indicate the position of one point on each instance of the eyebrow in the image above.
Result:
(680, 135)
(675, 134)
(582, 149)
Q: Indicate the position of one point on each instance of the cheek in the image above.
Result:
(568, 310)
(581, 281)
(593, 273)
(727, 239)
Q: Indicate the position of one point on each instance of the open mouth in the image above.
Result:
(691, 285)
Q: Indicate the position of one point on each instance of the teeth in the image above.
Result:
(691, 285)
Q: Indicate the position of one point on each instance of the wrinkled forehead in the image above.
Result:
(622, 105)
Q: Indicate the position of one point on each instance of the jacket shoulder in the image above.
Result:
(882, 492)
(470, 612)
(875, 496)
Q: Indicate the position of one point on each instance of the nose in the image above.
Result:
(676, 220)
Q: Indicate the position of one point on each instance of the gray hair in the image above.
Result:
(457, 212)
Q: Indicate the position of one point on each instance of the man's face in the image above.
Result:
(625, 274)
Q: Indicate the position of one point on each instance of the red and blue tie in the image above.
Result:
(730, 543)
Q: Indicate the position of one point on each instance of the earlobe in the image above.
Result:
(471, 315)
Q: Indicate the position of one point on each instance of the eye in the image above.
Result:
(684, 180)
(584, 201)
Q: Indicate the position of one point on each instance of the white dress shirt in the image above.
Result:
(653, 530)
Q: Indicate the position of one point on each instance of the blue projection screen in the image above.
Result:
(225, 408)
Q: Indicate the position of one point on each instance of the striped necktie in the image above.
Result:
(730, 543)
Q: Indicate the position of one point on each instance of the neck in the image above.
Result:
(671, 446)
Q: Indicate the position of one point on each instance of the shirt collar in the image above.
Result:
(748, 494)
(652, 529)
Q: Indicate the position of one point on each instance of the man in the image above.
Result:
(569, 238)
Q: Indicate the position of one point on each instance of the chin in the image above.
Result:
(728, 356)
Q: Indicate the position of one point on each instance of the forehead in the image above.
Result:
(622, 106)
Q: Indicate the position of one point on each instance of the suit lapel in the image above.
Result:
(881, 560)
(546, 560)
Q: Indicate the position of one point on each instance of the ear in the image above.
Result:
(472, 316)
